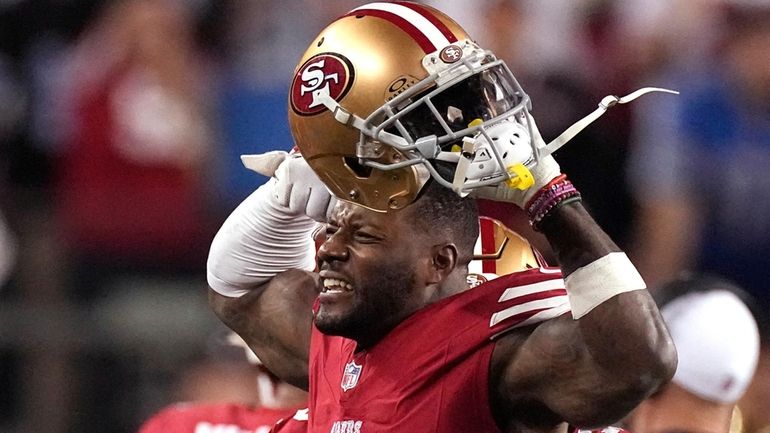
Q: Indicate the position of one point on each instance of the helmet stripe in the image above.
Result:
(487, 235)
(422, 10)
(421, 29)
(419, 37)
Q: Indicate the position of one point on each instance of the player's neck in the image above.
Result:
(456, 283)
(452, 285)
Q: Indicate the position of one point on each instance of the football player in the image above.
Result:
(402, 121)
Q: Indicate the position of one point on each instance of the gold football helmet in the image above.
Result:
(389, 87)
(500, 251)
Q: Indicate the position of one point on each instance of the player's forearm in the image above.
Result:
(575, 237)
(271, 231)
(259, 240)
(258, 288)
(260, 261)
(275, 321)
(618, 319)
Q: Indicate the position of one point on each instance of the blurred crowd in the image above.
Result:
(122, 122)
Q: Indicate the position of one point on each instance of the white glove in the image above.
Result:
(271, 230)
(297, 187)
(543, 172)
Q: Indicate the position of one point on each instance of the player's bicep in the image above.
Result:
(553, 368)
(275, 320)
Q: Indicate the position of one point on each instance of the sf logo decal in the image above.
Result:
(330, 72)
(451, 54)
(313, 78)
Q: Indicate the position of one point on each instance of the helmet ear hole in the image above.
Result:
(356, 167)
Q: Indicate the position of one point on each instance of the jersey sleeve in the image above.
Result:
(527, 298)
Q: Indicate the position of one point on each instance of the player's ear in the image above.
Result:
(444, 261)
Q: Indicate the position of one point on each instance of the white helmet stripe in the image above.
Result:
(475, 267)
(422, 24)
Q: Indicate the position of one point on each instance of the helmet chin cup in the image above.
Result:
(504, 148)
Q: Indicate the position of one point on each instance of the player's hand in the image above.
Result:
(297, 188)
(543, 172)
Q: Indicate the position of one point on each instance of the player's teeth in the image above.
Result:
(335, 285)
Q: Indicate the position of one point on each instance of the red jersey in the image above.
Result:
(214, 418)
(295, 424)
(431, 372)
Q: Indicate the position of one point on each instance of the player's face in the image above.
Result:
(370, 275)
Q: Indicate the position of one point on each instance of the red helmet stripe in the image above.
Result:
(422, 10)
(418, 22)
(402, 23)
(487, 234)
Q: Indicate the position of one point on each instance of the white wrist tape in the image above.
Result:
(259, 240)
(599, 281)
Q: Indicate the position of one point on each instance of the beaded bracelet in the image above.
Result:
(557, 193)
(541, 196)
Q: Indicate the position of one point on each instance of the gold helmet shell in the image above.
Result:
(363, 77)
(500, 251)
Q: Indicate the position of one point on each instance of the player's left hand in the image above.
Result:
(544, 171)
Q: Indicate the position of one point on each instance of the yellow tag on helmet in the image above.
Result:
(523, 179)
(475, 122)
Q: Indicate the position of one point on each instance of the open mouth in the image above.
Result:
(334, 285)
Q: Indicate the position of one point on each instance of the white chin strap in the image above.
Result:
(509, 144)
(604, 105)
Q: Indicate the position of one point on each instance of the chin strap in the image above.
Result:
(519, 176)
(604, 105)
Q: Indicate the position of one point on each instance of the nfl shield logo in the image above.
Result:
(350, 375)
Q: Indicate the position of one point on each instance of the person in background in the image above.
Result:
(271, 401)
(698, 162)
(717, 340)
(138, 148)
(698, 166)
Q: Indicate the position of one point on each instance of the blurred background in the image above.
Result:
(121, 123)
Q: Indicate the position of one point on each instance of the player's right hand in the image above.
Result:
(297, 188)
